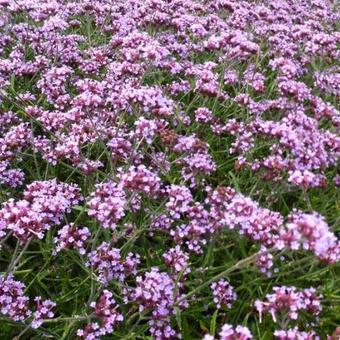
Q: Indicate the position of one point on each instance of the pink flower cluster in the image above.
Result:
(223, 294)
(141, 179)
(43, 311)
(203, 115)
(298, 148)
(178, 260)
(106, 310)
(310, 231)
(155, 292)
(295, 334)
(43, 205)
(14, 139)
(10, 177)
(180, 199)
(228, 332)
(15, 304)
(108, 263)
(70, 237)
(107, 204)
(288, 302)
(150, 107)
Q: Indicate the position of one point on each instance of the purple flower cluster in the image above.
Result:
(43, 205)
(180, 199)
(108, 263)
(265, 262)
(141, 179)
(15, 304)
(15, 137)
(299, 149)
(107, 204)
(228, 332)
(10, 177)
(150, 107)
(288, 302)
(223, 294)
(310, 231)
(295, 334)
(203, 115)
(43, 311)
(106, 311)
(178, 260)
(70, 237)
(156, 292)
(329, 81)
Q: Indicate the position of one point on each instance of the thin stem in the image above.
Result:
(6, 238)
(236, 266)
(13, 264)
(74, 318)
(141, 317)
(92, 273)
(10, 266)
(23, 332)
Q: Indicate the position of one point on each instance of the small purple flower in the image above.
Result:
(108, 263)
(223, 294)
(72, 237)
(43, 311)
(107, 312)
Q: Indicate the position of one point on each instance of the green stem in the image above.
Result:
(236, 266)
(15, 258)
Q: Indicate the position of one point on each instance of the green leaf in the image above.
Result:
(178, 318)
(213, 323)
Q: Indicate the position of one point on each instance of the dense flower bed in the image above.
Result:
(168, 168)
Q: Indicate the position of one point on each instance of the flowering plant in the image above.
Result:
(168, 169)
